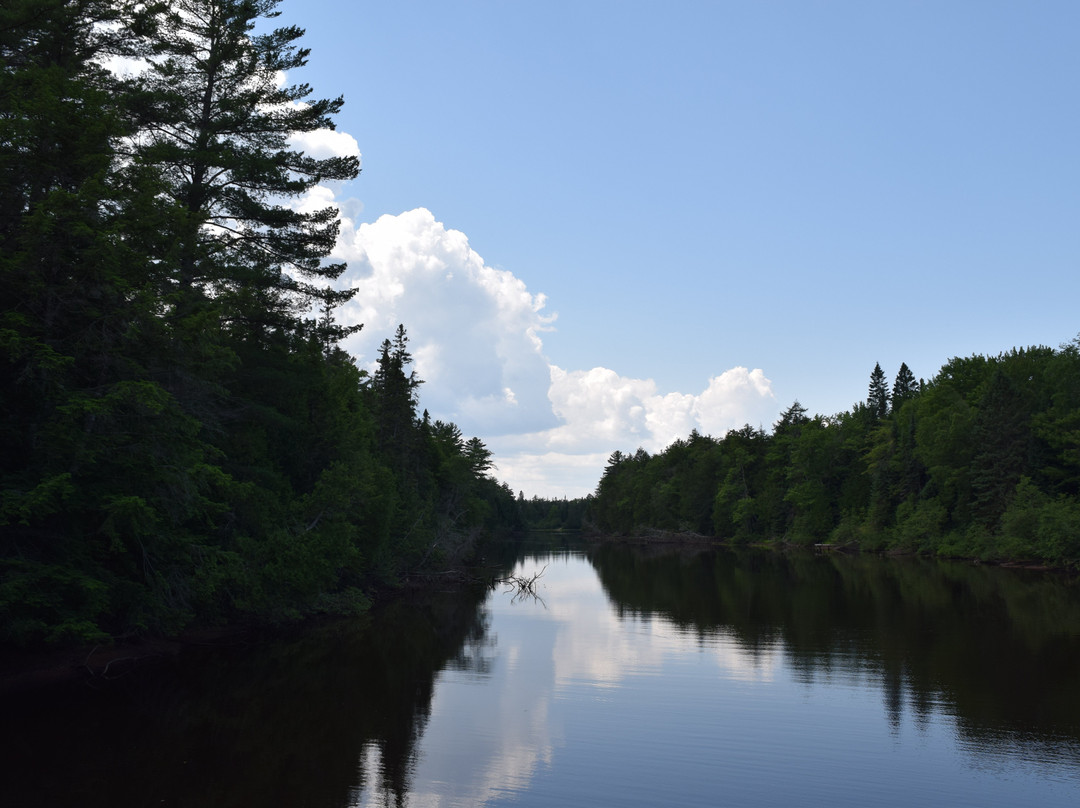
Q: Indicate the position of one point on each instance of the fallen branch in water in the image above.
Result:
(103, 674)
(523, 586)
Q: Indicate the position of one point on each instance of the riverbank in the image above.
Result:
(100, 664)
(651, 536)
(29, 669)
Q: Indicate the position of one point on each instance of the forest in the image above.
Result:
(982, 461)
(184, 442)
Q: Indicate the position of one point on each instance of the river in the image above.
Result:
(631, 676)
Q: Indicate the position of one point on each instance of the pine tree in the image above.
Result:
(478, 456)
(217, 130)
(791, 419)
(904, 387)
(67, 272)
(1002, 439)
(395, 398)
(99, 465)
(878, 397)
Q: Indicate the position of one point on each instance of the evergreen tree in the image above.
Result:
(478, 456)
(904, 387)
(395, 396)
(181, 442)
(1059, 425)
(981, 462)
(1001, 436)
(791, 419)
(97, 461)
(878, 397)
(218, 124)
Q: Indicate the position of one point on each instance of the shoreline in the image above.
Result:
(100, 664)
(25, 670)
(655, 537)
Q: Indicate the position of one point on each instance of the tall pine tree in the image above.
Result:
(877, 398)
(218, 131)
(904, 387)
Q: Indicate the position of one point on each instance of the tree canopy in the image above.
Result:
(981, 461)
(184, 442)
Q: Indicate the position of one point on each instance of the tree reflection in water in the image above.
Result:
(999, 648)
(340, 716)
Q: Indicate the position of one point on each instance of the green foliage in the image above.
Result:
(904, 388)
(1001, 435)
(551, 514)
(980, 462)
(49, 601)
(1037, 525)
(877, 398)
(183, 441)
(919, 524)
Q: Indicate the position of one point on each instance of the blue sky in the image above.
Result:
(606, 223)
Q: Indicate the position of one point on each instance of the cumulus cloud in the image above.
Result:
(548, 474)
(601, 411)
(322, 144)
(476, 338)
(599, 407)
(474, 330)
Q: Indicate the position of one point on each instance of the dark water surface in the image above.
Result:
(663, 677)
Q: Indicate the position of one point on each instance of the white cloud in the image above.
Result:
(734, 398)
(548, 474)
(475, 335)
(473, 330)
(600, 408)
(322, 144)
(602, 411)
(316, 198)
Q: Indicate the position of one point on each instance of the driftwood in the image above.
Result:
(97, 672)
(523, 586)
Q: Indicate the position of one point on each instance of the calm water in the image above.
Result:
(634, 678)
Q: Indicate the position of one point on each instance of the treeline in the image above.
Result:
(982, 461)
(552, 514)
(183, 441)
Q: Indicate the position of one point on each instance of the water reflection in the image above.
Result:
(636, 678)
(1000, 647)
(651, 677)
(290, 722)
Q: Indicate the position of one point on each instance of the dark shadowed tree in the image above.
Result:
(905, 387)
(395, 388)
(218, 127)
(877, 398)
(478, 456)
(1001, 436)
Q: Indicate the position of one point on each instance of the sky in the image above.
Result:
(605, 224)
